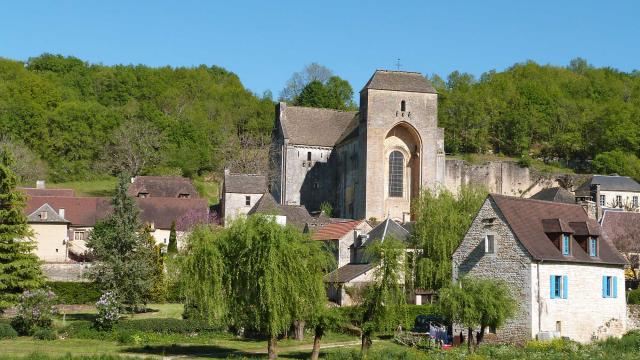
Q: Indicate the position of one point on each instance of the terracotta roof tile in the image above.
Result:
(347, 273)
(335, 231)
(47, 192)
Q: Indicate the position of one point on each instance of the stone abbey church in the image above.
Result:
(367, 163)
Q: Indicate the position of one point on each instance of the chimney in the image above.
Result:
(133, 179)
(591, 208)
(61, 212)
(40, 184)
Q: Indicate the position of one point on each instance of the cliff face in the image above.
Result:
(500, 177)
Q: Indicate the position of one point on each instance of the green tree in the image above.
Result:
(126, 264)
(385, 296)
(19, 267)
(173, 239)
(475, 302)
(441, 221)
(617, 161)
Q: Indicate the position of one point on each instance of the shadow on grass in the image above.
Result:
(205, 351)
(79, 316)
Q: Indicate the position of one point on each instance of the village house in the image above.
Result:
(62, 222)
(622, 228)
(611, 192)
(567, 279)
(239, 194)
(163, 187)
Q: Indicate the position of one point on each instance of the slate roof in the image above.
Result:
(347, 273)
(399, 81)
(525, 218)
(388, 228)
(86, 211)
(556, 194)
(609, 183)
(335, 231)
(622, 229)
(51, 217)
(297, 215)
(47, 192)
(245, 183)
(314, 126)
(162, 186)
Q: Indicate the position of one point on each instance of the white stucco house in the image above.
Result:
(611, 191)
(566, 277)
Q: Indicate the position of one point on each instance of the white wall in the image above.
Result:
(235, 205)
(585, 312)
(49, 238)
(610, 197)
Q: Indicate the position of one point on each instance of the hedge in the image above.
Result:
(75, 292)
(353, 314)
(633, 297)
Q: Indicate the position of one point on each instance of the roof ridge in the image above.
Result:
(399, 71)
(530, 199)
(319, 108)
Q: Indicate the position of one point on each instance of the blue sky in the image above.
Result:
(264, 42)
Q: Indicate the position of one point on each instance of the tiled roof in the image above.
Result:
(80, 211)
(163, 186)
(335, 231)
(245, 183)
(296, 215)
(526, 218)
(47, 192)
(609, 183)
(163, 211)
(51, 215)
(399, 81)
(347, 273)
(314, 126)
(556, 194)
(623, 229)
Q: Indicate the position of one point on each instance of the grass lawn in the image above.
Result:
(102, 187)
(208, 190)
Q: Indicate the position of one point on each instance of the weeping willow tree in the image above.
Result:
(384, 298)
(256, 274)
(442, 221)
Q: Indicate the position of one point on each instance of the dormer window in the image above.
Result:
(403, 106)
(143, 194)
(566, 244)
(43, 215)
(593, 247)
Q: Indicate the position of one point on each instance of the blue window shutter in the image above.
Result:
(604, 286)
(552, 287)
(615, 286)
(565, 286)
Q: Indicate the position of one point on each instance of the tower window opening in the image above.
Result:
(309, 156)
(396, 174)
(403, 106)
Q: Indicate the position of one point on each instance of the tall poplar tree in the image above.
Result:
(19, 267)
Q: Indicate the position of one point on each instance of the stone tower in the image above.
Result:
(401, 145)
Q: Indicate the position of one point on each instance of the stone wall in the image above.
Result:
(500, 177)
(65, 271)
(510, 263)
(236, 205)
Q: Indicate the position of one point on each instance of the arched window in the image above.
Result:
(403, 106)
(396, 174)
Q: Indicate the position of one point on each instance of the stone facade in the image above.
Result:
(235, 205)
(510, 263)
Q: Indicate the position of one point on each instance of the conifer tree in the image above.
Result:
(19, 267)
(173, 239)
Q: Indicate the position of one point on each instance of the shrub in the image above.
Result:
(35, 310)
(7, 332)
(108, 311)
(166, 326)
(634, 297)
(525, 161)
(75, 292)
(45, 334)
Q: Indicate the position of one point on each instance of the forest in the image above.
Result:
(76, 121)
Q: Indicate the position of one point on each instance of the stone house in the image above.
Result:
(239, 194)
(369, 163)
(567, 279)
(611, 192)
(52, 228)
(294, 215)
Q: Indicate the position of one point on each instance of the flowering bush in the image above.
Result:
(35, 311)
(108, 311)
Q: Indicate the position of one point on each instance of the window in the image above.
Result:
(396, 174)
(247, 200)
(559, 287)
(565, 244)
(79, 235)
(593, 247)
(489, 244)
(603, 200)
(43, 215)
(183, 196)
(618, 201)
(559, 326)
(316, 185)
(635, 202)
(309, 156)
(609, 286)
(143, 194)
(403, 106)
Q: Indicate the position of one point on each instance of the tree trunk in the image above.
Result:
(272, 347)
(480, 336)
(299, 329)
(366, 341)
(315, 353)
(469, 338)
